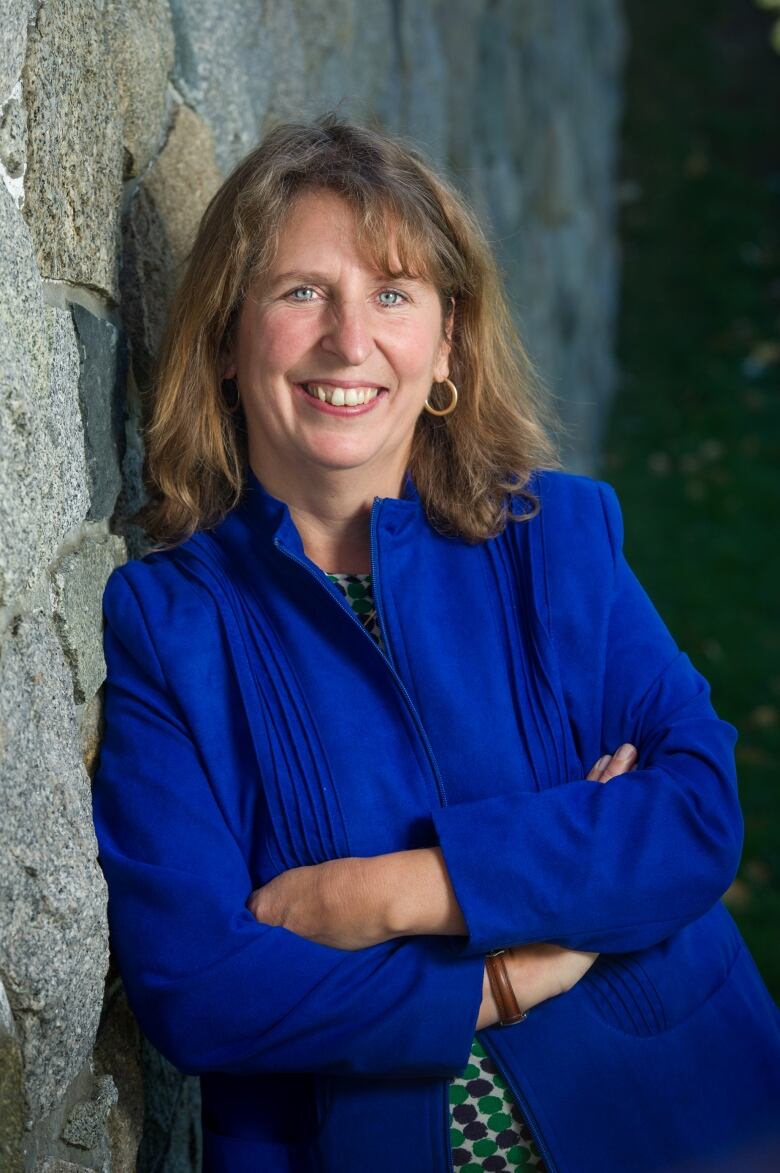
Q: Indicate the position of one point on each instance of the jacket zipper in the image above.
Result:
(319, 576)
(324, 581)
(528, 1115)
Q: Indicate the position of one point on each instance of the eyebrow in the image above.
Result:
(311, 275)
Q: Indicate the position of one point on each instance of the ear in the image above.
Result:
(228, 356)
(227, 362)
(442, 366)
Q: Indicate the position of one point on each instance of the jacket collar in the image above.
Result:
(269, 518)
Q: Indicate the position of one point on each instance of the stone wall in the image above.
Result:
(118, 119)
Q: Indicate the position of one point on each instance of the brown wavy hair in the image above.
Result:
(466, 466)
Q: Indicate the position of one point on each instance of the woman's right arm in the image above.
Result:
(213, 989)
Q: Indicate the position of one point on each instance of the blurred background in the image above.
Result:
(693, 438)
(624, 159)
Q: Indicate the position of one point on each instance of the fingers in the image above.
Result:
(612, 765)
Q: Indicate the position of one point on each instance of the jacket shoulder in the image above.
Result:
(574, 507)
(153, 597)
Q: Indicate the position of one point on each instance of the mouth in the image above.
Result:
(343, 396)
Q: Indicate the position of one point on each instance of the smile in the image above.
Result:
(343, 401)
(341, 396)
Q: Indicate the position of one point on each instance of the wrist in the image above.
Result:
(498, 967)
(488, 1011)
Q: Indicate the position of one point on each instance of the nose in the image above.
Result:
(347, 333)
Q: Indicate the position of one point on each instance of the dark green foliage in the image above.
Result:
(693, 445)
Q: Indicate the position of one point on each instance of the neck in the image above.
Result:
(336, 542)
(332, 513)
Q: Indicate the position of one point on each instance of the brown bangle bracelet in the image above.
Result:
(508, 1010)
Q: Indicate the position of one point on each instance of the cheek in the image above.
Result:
(277, 341)
(414, 352)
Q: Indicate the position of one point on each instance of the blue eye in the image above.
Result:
(301, 289)
(393, 293)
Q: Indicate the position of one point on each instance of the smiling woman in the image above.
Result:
(360, 878)
(372, 362)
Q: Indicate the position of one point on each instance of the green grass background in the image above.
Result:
(693, 438)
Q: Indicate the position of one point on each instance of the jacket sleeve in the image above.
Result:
(618, 866)
(211, 987)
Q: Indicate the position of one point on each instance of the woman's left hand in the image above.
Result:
(332, 903)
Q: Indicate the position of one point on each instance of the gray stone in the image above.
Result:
(224, 69)
(424, 113)
(133, 494)
(288, 94)
(159, 228)
(43, 493)
(11, 1091)
(69, 473)
(102, 372)
(24, 362)
(91, 727)
(44, 1144)
(85, 1125)
(140, 38)
(78, 580)
(74, 174)
(171, 1138)
(14, 15)
(13, 137)
(53, 927)
(55, 1165)
(118, 1054)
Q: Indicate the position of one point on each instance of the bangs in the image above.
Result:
(397, 241)
(392, 233)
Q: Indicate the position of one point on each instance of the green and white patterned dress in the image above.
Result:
(487, 1129)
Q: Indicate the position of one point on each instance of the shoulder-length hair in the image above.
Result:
(466, 466)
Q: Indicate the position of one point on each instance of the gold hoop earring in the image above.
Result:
(232, 408)
(447, 410)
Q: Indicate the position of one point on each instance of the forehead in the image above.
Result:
(320, 222)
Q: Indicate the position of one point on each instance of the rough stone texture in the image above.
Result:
(132, 496)
(11, 1090)
(13, 143)
(91, 726)
(78, 579)
(102, 376)
(118, 1054)
(518, 100)
(232, 66)
(159, 228)
(140, 41)
(13, 137)
(171, 1138)
(43, 493)
(14, 15)
(85, 1125)
(45, 1142)
(73, 184)
(53, 1165)
(53, 928)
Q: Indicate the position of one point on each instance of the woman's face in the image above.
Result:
(322, 317)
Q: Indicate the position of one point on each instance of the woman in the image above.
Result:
(359, 881)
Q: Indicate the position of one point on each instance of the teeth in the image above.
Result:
(340, 397)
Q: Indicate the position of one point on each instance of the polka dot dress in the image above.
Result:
(487, 1130)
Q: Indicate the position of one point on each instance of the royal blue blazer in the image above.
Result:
(253, 725)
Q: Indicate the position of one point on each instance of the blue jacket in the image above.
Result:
(253, 725)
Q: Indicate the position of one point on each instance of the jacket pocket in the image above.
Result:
(648, 991)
